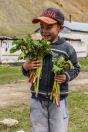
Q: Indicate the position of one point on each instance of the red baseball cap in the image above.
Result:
(50, 16)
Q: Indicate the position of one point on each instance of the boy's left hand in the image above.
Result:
(60, 78)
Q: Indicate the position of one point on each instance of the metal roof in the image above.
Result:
(76, 26)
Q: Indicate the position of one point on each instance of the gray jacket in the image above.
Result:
(61, 47)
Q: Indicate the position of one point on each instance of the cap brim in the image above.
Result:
(45, 20)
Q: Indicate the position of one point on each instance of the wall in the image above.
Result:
(5, 55)
(78, 41)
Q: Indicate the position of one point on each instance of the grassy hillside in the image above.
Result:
(16, 15)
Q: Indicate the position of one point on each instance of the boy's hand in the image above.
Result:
(60, 78)
(34, 64)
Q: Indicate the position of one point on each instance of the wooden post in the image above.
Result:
(70, 18)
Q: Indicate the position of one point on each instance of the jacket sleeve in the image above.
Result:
(25, 73)
(73, 73)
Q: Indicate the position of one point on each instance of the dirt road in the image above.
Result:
(19, 93)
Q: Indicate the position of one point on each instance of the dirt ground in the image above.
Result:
(19, 93)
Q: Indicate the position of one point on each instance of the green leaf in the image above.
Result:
(60, 65)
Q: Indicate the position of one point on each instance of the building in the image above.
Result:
(76, 34)
(5, 46)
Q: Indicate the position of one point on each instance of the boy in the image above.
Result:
(45, 115)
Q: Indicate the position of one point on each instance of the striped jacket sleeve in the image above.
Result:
(73, 73)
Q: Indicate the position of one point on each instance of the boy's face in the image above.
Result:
(49, 31)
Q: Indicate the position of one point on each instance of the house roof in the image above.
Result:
(7, 38)
(76, 26)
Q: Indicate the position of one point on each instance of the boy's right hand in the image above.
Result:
(34, 64)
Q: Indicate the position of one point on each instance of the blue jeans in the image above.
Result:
(47, 117)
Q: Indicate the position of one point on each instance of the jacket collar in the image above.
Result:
(59, 41)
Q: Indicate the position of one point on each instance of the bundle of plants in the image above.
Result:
(60, 66)
(32, 50)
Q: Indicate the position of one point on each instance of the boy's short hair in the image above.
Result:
(50, 16)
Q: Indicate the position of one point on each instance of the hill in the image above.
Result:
(16, 15)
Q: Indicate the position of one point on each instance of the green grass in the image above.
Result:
(84, 64)
(78, 110)
(19, 113)
(10, 74)
(78, 107)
